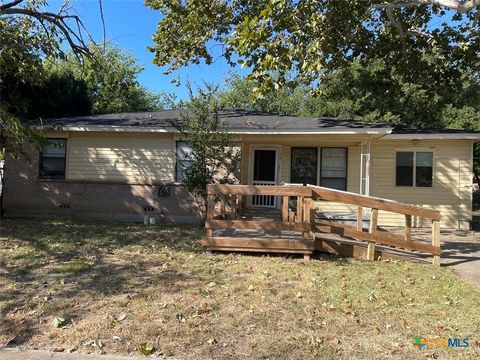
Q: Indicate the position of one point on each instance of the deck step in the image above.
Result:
(264, 244)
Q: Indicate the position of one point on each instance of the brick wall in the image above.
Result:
(27, 195)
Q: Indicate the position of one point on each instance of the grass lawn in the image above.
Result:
(119, 286)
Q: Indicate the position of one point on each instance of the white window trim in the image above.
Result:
(415, 150)
(176, 141)
(319, 157)
(319, 161)
(278, 169)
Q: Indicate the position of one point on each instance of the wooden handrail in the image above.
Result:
(303, 219)
(372, 202)
(217, 189)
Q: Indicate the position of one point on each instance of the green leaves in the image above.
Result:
(284, 43)
(145, 348)
(59, 322)
(211, 158)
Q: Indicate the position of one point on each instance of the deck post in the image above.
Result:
(373, 228)
(360, 218)
(299, 208)
(233, 207)
(242, 203)
(222, 207)
(408, 227)
(291, 216)
(285, 208)
(306, 214)
(210, 209)
(436, 240)
(312, 219)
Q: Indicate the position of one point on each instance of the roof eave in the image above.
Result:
(146, 129)
(437, 136)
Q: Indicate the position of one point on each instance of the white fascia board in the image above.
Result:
(465, 136)
(100, 128)
(314, 132)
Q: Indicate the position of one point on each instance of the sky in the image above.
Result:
(130, 25)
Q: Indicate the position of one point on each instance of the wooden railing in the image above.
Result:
(232, 198)
(374, 236)
(303, 219)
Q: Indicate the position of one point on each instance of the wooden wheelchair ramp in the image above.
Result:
(297, 229)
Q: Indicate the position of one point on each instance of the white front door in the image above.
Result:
(264, 172)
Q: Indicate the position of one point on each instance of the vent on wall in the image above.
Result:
(163, 191)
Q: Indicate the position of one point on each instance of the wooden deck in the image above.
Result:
(297, 230)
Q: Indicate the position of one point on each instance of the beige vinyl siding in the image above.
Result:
(147, 158)
(451, 191)
(353, 185)
(352, 142)
(131, 158)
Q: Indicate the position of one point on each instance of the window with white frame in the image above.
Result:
(53, 159)
(333, 166)
(414, 168)
(333, 169)
(304, 165)
(183, 160)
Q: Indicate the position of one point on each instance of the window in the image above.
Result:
(333, 169)
(183, 160)
(52, 159)
(404, 170)
(414, 167)
(304, 165)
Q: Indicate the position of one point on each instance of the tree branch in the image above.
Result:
(9, 5)
(74, 38)
(457, 5)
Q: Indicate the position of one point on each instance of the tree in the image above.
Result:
(212, 158)
(238, 94)
(375, 91)
(365, 91)
(28, 35)
(111, 79)
(286, 43)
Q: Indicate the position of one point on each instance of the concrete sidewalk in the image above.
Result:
(462, 254)
(7, 353)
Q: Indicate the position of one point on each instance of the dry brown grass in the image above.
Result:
(121, 285)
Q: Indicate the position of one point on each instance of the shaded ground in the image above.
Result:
(120, 286)
(460, 251)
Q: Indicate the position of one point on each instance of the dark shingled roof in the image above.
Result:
(405, 129)
(240, 120)
(236, 120)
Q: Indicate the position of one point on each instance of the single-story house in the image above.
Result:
(120, 165)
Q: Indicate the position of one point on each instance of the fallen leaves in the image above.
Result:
(145, 348)
(384, 302)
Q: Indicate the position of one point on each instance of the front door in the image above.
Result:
(264, 172)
